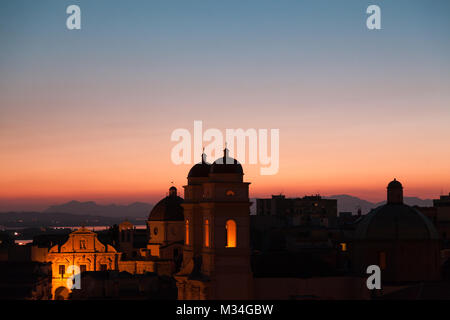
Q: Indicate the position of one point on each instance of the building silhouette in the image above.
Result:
(399, 239)
(309, 210)
(165, 226)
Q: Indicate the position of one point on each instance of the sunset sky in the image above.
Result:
(88, 114)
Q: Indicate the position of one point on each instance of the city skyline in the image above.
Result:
(88, 114)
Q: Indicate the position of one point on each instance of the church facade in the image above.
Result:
(84, 251)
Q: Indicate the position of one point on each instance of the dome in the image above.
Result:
(169, 208)
(201, 169)
(395, 184)
(395, 222)
(395, 192)
(226, 164)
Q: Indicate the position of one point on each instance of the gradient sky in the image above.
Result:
(88, 114)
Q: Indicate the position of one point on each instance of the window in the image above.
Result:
(187, 232)
(206, 229)
(382, 260)
(343, 246)
(82, 268)
(62, 269)
(82, 244)
(155, 231)
(230, 193)
(231, 234)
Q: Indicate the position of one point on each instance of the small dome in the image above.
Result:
(226, 164)
(173, 191)
(395, 184)
(169, 208)
(395, 222)
(395, 192)
(201, 169)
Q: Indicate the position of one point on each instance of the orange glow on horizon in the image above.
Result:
(121, 165)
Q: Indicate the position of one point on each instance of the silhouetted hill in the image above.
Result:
(136, 209)
(75, 213)
(351, 204)
(57, 219)
(413, 201)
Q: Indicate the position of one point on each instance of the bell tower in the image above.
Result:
(218, 254)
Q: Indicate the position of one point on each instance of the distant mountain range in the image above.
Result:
(88, 211)
(59, 219)
(351, 204)
(136, 209)
(141, 209)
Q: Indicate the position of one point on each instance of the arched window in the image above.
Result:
(231, 234)
(186, 241)
(206, 229)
